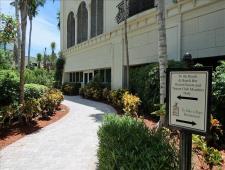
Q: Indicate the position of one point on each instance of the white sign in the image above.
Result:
(188, 100)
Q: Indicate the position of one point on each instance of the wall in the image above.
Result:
(203, 32)
(197, 27)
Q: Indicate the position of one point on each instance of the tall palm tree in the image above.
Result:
(39, 59)
(53, 45)
(32, 12)
(162, 53)
(23, 4)
(18, 36)
(126, 10)
(53, 55)
(58, 19)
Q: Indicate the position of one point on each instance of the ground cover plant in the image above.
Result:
(126, 143)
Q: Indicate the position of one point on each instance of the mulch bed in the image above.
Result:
(198, 161)
(17, 131)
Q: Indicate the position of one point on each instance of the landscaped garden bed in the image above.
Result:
(208, 152)
(42, 104)
(17, 131)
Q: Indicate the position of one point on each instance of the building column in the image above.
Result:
(89, 21)
(76, 31)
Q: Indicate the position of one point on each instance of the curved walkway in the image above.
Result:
(68, 144)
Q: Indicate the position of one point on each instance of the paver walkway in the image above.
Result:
(68, 144)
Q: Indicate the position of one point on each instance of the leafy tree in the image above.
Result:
(8, 25)
(6, 59)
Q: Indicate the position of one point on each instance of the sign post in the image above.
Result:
(188, 106)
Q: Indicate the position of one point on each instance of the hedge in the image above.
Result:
(125, 143)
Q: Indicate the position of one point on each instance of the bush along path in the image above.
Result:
(70, 143)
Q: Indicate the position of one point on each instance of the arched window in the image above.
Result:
(82, 27)
(96, 17)
(70, 30)
(137, 6)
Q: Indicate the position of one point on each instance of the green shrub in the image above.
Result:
(6, 59)
(116, 97)
(71, 88)
(34, 91)
(125, 143)
(218, 86)
(30, 109)
(9, 85)
(106, 94)
(144, 81)
(50, 101)
(39, 76)
(92, 90)
(130, 104)
(7, 114)
(211, 156)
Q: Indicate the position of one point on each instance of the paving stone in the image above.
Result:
(68, 144)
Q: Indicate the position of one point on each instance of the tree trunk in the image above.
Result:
(18, 38)
(162, 53)
(126, 45)
(30, 19)
(23, 11)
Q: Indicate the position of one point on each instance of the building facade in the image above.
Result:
(92, 41)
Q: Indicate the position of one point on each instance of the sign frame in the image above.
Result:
(168, 98)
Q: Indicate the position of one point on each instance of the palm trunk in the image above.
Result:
(18, 47)
(30, 19)
(23, 10)
(162, 52)
(126, 45)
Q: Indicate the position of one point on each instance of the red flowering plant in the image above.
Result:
(215, 138)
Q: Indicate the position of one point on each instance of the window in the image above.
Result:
(81, 76)
(104, 75)
(96, 17)
(70, 30)
(71, 77)
(137, 6)
(82, 27)
(76, 77)
(108, 75)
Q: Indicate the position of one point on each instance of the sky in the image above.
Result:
(45, 28)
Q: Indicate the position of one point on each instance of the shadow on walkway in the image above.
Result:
(102, 107)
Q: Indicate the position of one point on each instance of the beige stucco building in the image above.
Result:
(95, 41)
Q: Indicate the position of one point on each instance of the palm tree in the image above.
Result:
(18, 36)
(39, 59)
(162, 53)
(126, 42)
(23, 4)
(53, 56)
(32, 12)
(53, 45)
(58, 19)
